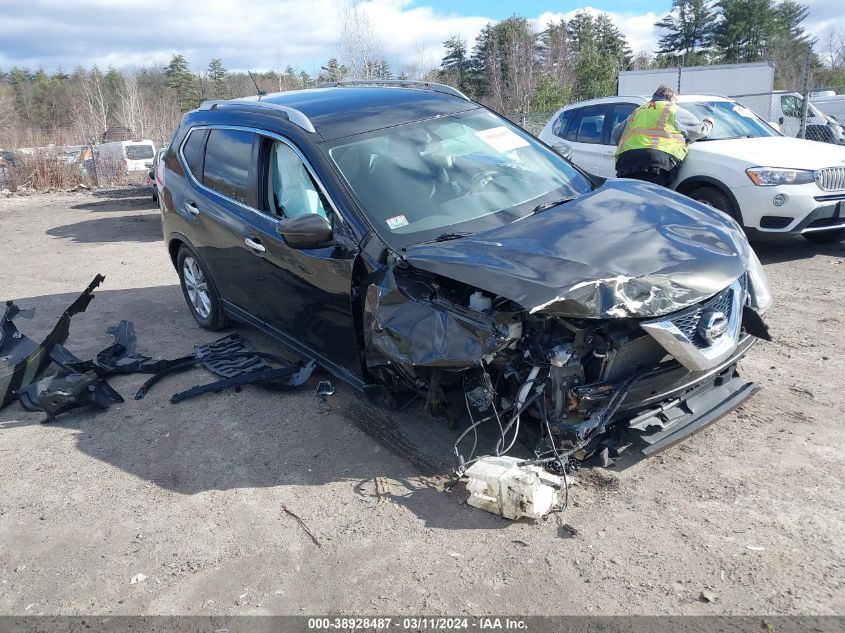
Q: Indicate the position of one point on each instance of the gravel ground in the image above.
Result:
(153, 508)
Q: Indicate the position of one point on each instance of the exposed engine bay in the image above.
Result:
(569, 389)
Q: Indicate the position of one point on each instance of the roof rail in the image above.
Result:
(398, 83)
(293, 115)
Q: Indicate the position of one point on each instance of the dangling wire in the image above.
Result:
(560, 461)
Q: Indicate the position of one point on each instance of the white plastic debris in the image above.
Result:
(137, 578)
(499, 485)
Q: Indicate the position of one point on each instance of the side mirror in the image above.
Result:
(564, 149)
(309, 230)
(152, 174)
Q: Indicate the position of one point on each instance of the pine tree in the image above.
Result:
(690, 25)
(477, 67)
(182, 82)
(383, 70)
(611, 43)
(217, 78)
(744, 30)
(790, 47)
(334, 71)
(455, 66)
(601, 51)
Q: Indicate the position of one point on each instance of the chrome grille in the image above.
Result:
(687, 322)
(831, 178)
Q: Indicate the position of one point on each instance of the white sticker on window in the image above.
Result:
(741, 110)
(501, 139)
(397, 221)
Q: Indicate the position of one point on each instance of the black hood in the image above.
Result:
(629, 248)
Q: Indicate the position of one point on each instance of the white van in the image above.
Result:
(771, 184)
(783, 110)
(134, 155)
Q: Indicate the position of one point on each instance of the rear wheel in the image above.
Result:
(825, 237)
(199, 291)
(713, 197)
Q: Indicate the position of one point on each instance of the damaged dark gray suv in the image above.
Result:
(416, 244)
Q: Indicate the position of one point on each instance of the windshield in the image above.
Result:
(459, 174)
(730, 120)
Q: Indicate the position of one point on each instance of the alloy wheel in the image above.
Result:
(196, 287)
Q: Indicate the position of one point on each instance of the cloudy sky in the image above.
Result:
(264, 34)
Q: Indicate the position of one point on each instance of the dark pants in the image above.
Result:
(651, 165)
(662, 178)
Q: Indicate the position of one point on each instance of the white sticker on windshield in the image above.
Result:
(741, 110)
(396, 222)
(501, 139)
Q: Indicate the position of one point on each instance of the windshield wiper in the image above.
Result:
(444, 237)
(545, 206)
(725, 138)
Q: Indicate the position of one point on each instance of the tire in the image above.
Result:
(716, 198)
(199, 291)
(825, 237)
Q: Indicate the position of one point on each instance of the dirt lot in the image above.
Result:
(197, 496)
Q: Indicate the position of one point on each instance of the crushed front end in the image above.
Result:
(569, 388)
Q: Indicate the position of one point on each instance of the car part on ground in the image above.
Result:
(285, 377)
(75, 383)
(22, 361)
(65, 390)
(235, 360)
(506, 486)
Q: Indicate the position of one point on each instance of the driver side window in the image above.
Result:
(291, 190)
(791, 105)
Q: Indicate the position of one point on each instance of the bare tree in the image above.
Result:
(130, 108)
(91, 105)
(361, 48)
(7, 107)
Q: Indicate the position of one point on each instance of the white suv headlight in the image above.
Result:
(758, 285)
(771, 176)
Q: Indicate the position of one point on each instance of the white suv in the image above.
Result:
(771, 184)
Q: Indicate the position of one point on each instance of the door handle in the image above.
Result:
(255, 245)
(191, 209)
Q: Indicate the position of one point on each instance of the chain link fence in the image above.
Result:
(818, 118)
(532, 123)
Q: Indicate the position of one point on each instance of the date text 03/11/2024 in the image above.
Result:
(416, 623)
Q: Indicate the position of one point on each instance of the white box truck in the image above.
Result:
(721, 79)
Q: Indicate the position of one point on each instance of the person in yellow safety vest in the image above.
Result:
(652, 141)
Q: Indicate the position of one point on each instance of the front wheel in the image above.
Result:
(715, 198)
(199, 291)
(825, 237)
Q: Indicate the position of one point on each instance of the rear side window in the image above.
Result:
(563, 122)
(621, 111)
(592, 123)
(228, 158)
(192, 151)
(571, 131)
(139, 152)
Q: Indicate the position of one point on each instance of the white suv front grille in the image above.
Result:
(831, 178)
